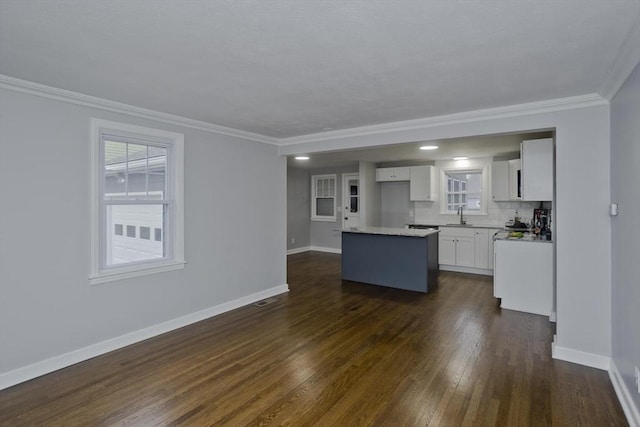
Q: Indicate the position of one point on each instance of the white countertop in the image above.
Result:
(496, 226)
(391, 231)
(527, 237)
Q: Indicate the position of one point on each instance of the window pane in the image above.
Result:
(324, 206)
(145, 233)
(353, 204)
(118, 230)
(115, 175)
(121, 249)
(157, 234)
(157, 172)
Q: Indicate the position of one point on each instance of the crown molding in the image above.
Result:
(37, 89)
(569, 103)
(626, 61)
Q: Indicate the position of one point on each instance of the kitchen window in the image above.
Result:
(137, 181)
(323, 197)
(463, 189)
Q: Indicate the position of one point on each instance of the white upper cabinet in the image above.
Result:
(537, 169)
(500, 181)
(393, 174)
(422, 185)
(506, 180)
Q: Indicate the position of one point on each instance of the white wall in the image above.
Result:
(394, 204)
(583, 229)
(370, 195)
(324, 234)
(235, 231)
(298, 208)
(625, 242)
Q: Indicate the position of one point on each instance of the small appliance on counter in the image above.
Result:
(516, 225)
(541, 223)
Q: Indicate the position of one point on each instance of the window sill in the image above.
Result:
(134, 271)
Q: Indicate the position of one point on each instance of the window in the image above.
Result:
(137, 186)
(323, 197)
(463, 189)
(131, 231)
(145, 233)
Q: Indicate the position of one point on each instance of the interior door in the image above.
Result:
(350, 200)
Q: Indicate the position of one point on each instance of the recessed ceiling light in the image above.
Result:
(429, 147)
(302, 157)
(461, 158)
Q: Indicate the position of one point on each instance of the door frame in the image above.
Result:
(345, 197)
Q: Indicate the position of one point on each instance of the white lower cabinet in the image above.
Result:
(523, 276)
(481, 244)
(471, 248)
(456, 246)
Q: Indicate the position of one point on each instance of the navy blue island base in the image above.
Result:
(403, 259)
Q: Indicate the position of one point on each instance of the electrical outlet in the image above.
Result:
(637, 379)
(293, 240)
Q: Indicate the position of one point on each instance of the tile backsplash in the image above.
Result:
(498, 213)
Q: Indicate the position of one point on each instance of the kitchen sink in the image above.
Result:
(457, 224)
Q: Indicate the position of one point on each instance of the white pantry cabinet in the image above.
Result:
(537, 169)
(393, 174)
(422, 184)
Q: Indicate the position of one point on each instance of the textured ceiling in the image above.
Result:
(288, 68)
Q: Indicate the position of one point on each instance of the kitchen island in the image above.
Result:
(393, 257)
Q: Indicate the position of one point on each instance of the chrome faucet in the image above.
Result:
(462, 220)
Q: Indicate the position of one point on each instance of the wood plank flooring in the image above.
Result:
(333, 353)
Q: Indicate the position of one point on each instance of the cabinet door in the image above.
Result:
(498, 276)
(402, 174)
(537, 169)
(447, 250)
(384, 174)
(421, 185)
(491, 243)
(481, 251)
(465, 251)
(500, 181)
(515, 179)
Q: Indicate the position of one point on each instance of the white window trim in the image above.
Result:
(443, 189)
(97, 273)
(326, 218)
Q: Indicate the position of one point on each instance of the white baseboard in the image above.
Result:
(471, 270)
(298, 250)
(624, 396)
(8, 379)
(329, 250)
(580, 357)
(553, 317)
(314, 248)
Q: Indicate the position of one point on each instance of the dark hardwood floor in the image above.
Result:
(333, 353)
